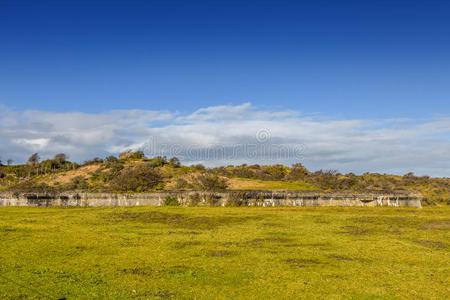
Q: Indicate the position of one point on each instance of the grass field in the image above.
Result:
(223, 253)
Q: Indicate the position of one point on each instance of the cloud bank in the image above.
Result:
(234, 134)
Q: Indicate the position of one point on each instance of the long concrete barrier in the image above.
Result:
(202, 198)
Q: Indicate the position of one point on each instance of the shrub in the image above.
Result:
(140, 178)
(171, 201)
(33, 187)
(95, 160)
(194, 199)
(298, 172)
(112, 162)
(182, 184)
(209, 182)
(174, 162)
(212, 199)
(34, 159)
(77, 183)
(157, 161)
(110, 159)
(237, 199)
(60, 158)
(198, 167)
(132, 155)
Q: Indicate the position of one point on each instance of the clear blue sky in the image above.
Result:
(369, 59)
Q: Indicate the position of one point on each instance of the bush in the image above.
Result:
(198, 167)
(182, 184)
(77, 183)
(171, 201)
(33, 187)
(298, 172)
(96, 160)
(132, 155)
(113, 162)
(212, 199)
(110, 159)
(174, 162)
(209, 182)
(157, 161)
(194, 199)
(140, 178)
(237, 199)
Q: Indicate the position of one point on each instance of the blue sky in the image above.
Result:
(367, 72)
(344, 58)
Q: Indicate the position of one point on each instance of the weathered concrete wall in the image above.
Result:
(193, 198)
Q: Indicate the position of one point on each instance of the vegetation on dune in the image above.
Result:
(139, 178)
(132, 171)
(224, 253)
(237, 183)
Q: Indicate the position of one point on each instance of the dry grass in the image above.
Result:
(254, 184)
(66, 177)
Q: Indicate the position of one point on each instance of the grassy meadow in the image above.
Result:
(223, 253)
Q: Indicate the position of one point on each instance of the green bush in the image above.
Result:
(140, 178)
(209, 182)
(171, 201)
(29, 186)
(237, 199)
(182, 184)
(133, 155)
(77, 183)
(212, 199)
(194, 199)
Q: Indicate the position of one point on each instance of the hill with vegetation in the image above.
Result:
(132, 171)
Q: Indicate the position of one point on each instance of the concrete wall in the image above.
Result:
(193, 198)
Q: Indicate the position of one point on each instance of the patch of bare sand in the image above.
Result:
(66, 177)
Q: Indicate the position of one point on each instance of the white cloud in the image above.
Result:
(228, 134)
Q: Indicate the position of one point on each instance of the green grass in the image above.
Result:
(223, 253)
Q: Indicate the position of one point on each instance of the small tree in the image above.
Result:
(95, 160)
(60, 158)
(111, 159)
(158, 161)
(132, 155)
(174, 162)
(199, 167)
(34, 159)
(298, 172)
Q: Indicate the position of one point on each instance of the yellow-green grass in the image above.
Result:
(225, 253)
(254, 184)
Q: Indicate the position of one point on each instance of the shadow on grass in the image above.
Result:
(432, 244)
(186, 244)
(355, 230)
(182, 220)
(161, 272)
(437, 225)
(304, 262)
